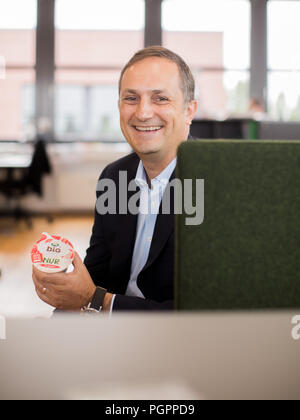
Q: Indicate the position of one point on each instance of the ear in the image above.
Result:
(190, 111)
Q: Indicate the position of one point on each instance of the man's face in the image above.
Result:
(153, 116)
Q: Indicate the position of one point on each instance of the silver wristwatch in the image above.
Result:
(96, 304)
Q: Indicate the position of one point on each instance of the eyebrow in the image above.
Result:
(155, 91)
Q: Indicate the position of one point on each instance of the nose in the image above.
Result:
(144, 110)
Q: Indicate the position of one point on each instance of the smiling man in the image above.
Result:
(155, 110)
(130, 262)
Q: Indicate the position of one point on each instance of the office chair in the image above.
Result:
(29, 181)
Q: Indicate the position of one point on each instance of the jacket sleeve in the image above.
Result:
(131, 303)
(98, 254)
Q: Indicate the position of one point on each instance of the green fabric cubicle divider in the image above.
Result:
(246, 253)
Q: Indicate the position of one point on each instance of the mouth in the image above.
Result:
(149, 129)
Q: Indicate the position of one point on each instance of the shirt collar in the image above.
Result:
(163, 177)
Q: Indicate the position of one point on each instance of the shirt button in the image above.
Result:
(149, 238)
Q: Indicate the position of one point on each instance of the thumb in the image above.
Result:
(77, 262)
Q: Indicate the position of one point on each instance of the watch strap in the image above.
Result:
(97, 299)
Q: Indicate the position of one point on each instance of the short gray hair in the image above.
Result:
(187, 79)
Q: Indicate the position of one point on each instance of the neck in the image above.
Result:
(153, 168)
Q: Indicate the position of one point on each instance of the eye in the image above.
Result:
(161, 99)
(130, 98)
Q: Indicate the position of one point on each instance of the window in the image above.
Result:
(214, 39)
(93, 43)
(105, 119)
(283, 60)
(95, 38)
(17, 61)
(70, 110)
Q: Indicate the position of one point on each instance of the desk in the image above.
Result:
(14, 161)
(11, 165)
(213, 355)
(10, 162)
(231, 128)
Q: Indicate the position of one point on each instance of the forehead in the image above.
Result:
(152, 73)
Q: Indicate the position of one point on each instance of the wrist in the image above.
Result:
(90, 294)
(107, 301)
(96, 302)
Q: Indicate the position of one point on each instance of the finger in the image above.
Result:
(35, 272)
(39, 275)
(36, 280)
(39, 286)
(77, 262)
(46, 279)
(42, 294)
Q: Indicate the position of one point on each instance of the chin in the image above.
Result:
(149, 152)
(146, 149)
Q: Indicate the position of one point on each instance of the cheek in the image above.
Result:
(125, 114)
(167, 115)
(124, 126)
(177, 120)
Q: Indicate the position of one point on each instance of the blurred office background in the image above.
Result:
(60, 62)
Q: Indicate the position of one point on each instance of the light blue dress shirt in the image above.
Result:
(150, 200)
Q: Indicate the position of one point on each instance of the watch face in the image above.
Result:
(91, 310)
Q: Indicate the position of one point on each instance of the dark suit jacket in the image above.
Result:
(109, 256)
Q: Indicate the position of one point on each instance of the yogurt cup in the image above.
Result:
(52, 253)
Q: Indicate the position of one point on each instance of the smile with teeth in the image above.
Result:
(147, 128)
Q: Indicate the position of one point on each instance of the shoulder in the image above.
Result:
(127, 163)
(124, 163)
